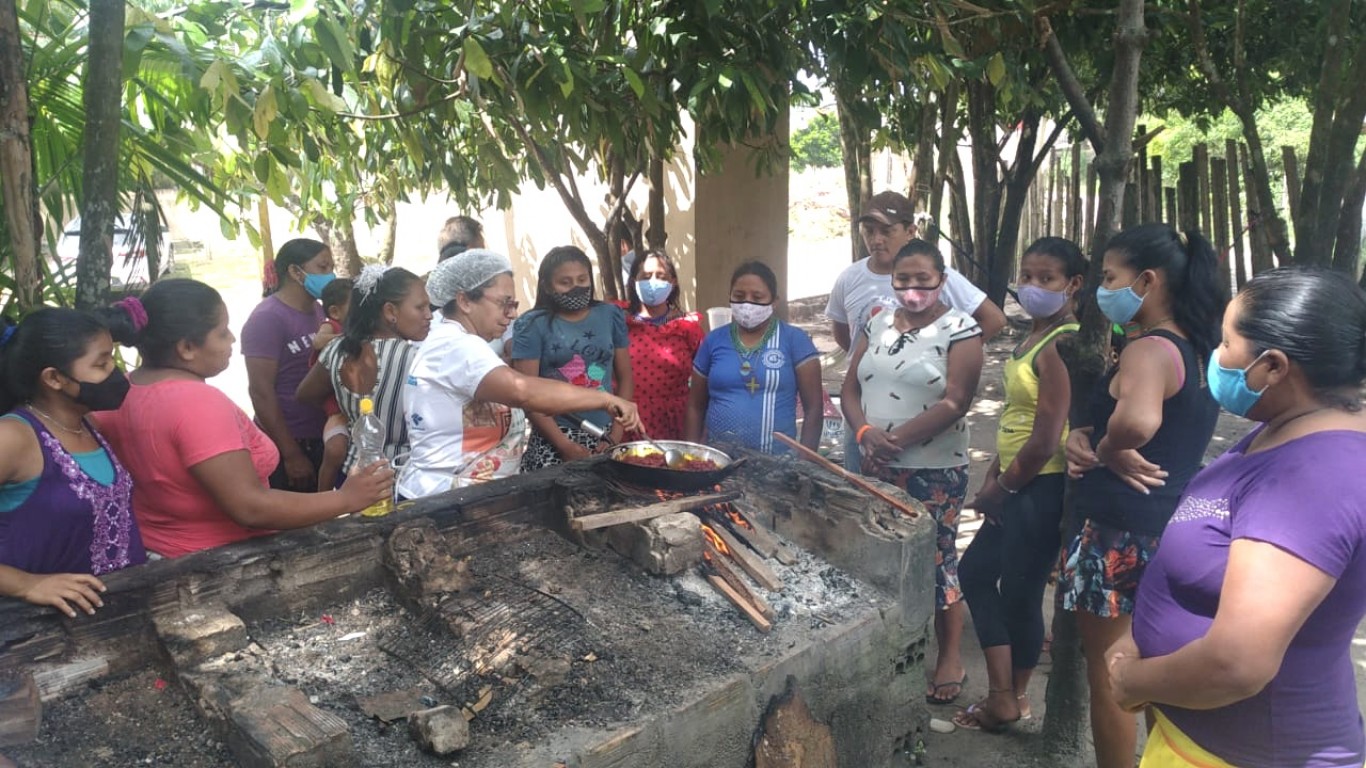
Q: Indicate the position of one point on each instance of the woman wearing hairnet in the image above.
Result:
(461, 396)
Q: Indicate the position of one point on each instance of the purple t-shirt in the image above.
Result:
(282, 333)
(1308, 498)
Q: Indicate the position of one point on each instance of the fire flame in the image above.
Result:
(736, 517)
(714, 539)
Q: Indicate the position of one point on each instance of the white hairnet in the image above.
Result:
(464, 272)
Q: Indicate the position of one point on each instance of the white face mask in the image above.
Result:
(750, 315)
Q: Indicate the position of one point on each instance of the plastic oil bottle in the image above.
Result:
(368, 435)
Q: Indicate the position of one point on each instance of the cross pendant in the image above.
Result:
(753, 385)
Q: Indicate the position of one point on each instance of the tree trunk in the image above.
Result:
(1064, 728)
(922, 165)
(1014, 193)
(1347, 248)
(948, 146)
(960, 215)
(1326, 176)
(657, 234)
(390, 241)
(263, 227)
(102, 93)
(986, 180)
(16, 160)
(344, 249)
(856, 143)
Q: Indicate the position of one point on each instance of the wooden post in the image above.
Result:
(1050, 192)
(1262, 256)
(1235, 205)
(1200, 156)
(1292, 179)
(1187, 198)
(1219, 189)
(1140, 171)
(1074, 197)
(1133, 207)
(1152, 201)
(1169, 205)
(1058, 189)
(1092, 188)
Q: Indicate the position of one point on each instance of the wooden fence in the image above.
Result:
(1211, 195)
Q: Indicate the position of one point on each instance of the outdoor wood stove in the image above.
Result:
(502, 605)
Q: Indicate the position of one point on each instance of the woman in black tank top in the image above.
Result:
(1149, 423)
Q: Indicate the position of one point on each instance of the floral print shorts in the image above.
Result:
(942, 491)
(1101, 570)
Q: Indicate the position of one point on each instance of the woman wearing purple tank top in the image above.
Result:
(66, 514)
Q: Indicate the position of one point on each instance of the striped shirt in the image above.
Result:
(752, 395)
(394, 358)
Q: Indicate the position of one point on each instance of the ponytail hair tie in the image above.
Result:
(137, 313)
(1181, 236)
(7, 334)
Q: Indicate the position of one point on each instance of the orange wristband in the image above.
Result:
(863, 430)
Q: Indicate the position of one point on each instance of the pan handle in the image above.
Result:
(595, 431)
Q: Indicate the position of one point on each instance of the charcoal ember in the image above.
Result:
(440, 730)
(687, 596)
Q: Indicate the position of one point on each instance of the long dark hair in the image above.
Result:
(1317, 317)
(367, 309)
(545, 275)
(52, 338)
(296, 252)
(178, 310)
(639, 266)
(1198, 294)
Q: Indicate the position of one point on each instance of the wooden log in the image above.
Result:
(277, 727)
(1235, 204)
(1152, 196)
(1200, 156)
(1169, 205)
(1074, 223)
(55, 682)
(760, 539)
(1132, 215)
(1140, 171)
(191, 635)
(1187, 198)
(748, 561)
(720, 565)
(637, 514)
(1219, 189)
(21, 709)
(1158, 186)
(859, 482)
(1054, 193)
(757, 619)
(1292, 178)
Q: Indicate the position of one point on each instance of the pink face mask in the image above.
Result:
(918, 300)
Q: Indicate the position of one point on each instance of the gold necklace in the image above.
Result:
(55, 423)
(1147, 328)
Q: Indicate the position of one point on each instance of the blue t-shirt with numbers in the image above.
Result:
(580, 353)
(747, 408)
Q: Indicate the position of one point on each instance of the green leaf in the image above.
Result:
(476, 61)
(262, 167)
(323, 98)
(334, 43)
(996, 69)
(724, 80)
(264, 113)
(634, 80)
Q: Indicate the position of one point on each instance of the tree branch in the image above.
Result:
(1052, 139)
(1071, 86)
(1142, 141)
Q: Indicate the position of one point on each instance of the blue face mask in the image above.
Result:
(1229, 386)
(654, 291)
(315, 284)
(1121, 305)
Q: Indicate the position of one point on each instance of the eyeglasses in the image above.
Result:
(507, 304)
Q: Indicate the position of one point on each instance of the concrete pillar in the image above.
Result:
(739, 215)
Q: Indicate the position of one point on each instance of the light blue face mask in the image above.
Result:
(1229, 386)
(654, 291)
(315, 284)
(1119, 305)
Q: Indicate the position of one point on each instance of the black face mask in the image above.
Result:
(574, 299)
(104, 395)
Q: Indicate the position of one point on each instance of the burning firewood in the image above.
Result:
(756, 618)
(746, 558)
(714, 562)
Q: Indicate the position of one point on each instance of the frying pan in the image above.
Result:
(663, 477)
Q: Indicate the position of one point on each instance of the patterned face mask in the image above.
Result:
(574, 299)
(750, 315)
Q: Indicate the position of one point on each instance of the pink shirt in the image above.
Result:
(161, 431)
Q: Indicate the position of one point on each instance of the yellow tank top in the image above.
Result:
(1022, 402)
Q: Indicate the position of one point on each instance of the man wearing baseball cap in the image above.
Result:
(887, 223)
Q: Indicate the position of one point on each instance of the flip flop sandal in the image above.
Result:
(930, 698)
(971, 719)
